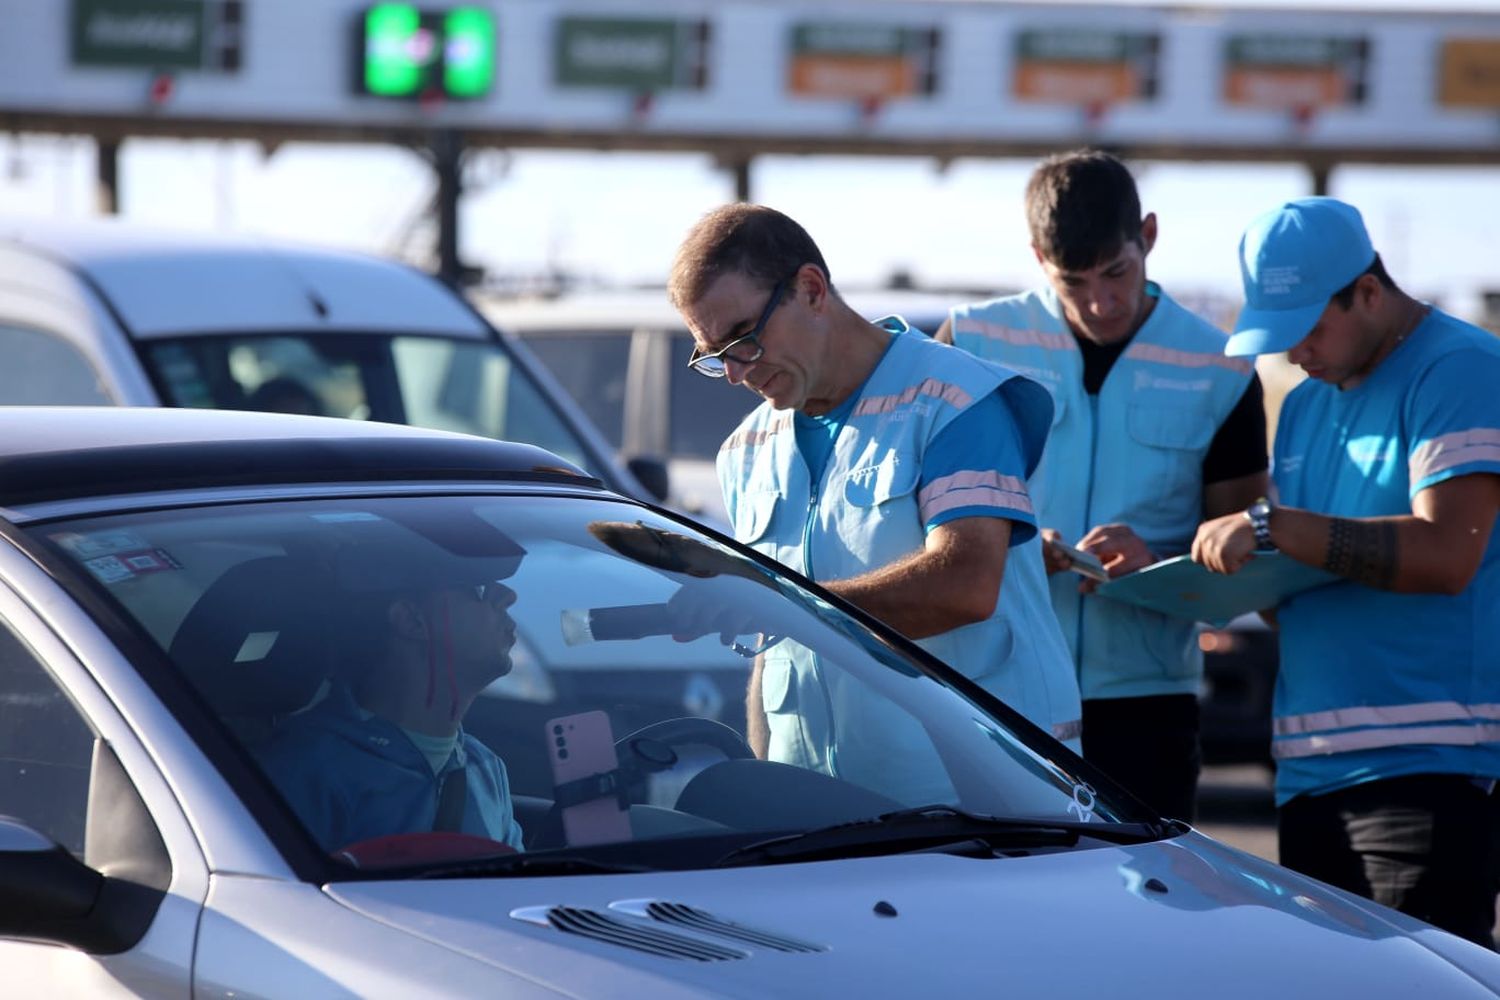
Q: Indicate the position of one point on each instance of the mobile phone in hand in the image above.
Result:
(1081, 562)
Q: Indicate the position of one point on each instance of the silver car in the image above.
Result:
(268, 690)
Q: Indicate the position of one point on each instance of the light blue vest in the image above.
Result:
(865, 513)
(1132, 455)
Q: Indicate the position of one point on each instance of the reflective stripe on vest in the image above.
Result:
(1366, 727)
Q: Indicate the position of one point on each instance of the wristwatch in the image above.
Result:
(1259, 516)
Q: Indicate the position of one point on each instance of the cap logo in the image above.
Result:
(1280, 280)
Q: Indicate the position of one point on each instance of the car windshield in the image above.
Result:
(471, 386)
(555, 677)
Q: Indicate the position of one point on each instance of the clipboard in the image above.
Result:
(1183, 589)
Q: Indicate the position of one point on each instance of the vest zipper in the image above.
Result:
(807, 571)
(1088, 510)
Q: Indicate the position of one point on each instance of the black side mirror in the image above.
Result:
(652, 474)
(46, 894)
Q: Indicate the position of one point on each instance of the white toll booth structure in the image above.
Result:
(741, 78)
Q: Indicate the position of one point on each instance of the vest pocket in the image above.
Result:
(753, 514)
(1169, 427)
(982, 664)
(776, 685)
(873, 485)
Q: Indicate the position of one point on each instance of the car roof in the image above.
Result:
(649, 308)
(161, 283)
(59, 453)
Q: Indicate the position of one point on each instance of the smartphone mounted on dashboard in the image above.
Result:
(588, 784)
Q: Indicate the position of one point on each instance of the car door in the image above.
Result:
(73, 770)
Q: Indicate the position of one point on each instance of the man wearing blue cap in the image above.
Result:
(1387, 468)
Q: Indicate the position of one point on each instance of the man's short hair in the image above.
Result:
(1082, 208)
(1345, 296)
(759, 242)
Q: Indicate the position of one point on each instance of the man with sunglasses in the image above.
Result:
(887, 467)
(384, 753)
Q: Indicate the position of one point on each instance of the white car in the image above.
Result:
(108, 311)
(224, 638)
(622, 356)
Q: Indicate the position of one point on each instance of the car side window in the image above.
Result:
(594, 368)
(42, 369)
(704, 410)
(45, 748)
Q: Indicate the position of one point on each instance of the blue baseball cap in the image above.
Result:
(1292, 261)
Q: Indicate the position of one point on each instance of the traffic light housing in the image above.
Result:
(408, 53)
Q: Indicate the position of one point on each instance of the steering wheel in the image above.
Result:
(687, 730)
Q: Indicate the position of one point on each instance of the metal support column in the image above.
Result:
(1320, 173)
(107, 176)
(447, 161)
(740, 168)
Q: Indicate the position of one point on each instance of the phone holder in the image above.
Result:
(649, 756)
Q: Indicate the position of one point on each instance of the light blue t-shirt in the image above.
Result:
(985, 437)
(1364, 671)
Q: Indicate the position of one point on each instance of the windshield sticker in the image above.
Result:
(1082, 805)
(338, 516)
(108, 569)
(127, 565)
(99, 543)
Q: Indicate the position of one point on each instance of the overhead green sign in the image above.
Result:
(160, 34)
(640, 54)
(468, 52)
(407, 52)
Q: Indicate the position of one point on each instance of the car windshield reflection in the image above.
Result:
(425, 680)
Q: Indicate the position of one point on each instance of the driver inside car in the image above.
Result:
(384, 755)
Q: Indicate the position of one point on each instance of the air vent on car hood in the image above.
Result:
(627, 933)
(700, 920)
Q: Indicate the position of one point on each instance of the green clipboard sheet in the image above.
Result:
(1183, 589)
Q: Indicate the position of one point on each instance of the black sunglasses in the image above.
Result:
(713, 365)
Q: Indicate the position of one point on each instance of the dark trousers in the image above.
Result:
(1423, 844)
(1149, 745)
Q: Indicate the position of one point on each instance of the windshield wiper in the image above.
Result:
(931, 827)
(525, 865)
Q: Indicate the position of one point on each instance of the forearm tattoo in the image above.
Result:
(1363, 551)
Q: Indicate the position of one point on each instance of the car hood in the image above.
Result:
(1181, 917)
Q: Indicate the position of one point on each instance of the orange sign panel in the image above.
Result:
(1469, 73)
(860, 60)
(852, 76)
(1295, 71)
(1085, 65)
(1286, 88)
(1077, 83)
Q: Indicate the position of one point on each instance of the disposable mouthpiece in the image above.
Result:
(575, 627)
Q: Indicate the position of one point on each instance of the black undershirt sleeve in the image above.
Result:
(1239, 446)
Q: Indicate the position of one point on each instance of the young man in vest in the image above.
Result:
(1387, 709)
(1153, 429)
(887, 467)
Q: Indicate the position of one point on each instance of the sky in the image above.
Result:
(617, 217)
